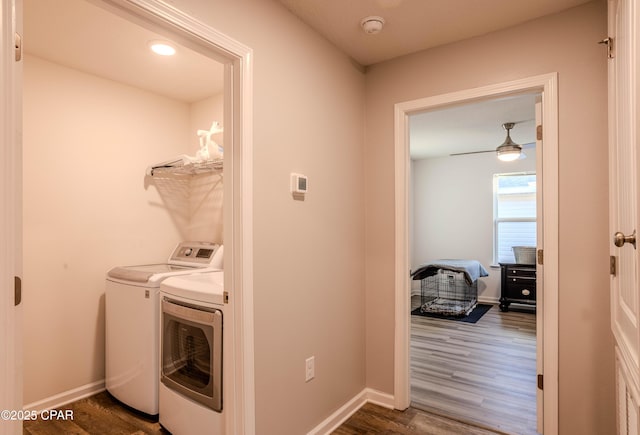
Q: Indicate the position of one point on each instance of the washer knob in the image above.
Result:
(188, 252)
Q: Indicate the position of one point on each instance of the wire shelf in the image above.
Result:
(180, 168)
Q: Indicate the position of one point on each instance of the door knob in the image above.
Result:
(620, 239)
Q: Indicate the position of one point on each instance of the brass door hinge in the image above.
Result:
(17, 290)
(613, 269)
(540, 382)
(540, 256)
(539, 132)
(18, 47)
(225, 296)
(608, 41)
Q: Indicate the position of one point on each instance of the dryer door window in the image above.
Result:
(192, 352)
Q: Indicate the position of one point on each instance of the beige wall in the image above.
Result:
(88, 207)
(206, 190)
(452, 203)
(202, 114)
(310, 103)
(87, 143)
(308, 255)
(565, 43)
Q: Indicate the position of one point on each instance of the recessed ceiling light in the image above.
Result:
(162, 48)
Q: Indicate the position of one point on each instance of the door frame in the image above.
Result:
(547, 86)
(238, 212)
(238, 204)
(11, 216)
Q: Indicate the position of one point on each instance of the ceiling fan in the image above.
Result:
(508, 151)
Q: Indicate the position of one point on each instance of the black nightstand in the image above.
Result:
(518, 284)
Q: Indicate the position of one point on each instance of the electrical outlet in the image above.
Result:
(310, 368)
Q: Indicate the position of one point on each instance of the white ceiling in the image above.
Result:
(80, 35)
(414, 25)
(471, 127)
(83, 36)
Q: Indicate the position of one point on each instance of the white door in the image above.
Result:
(10, 217)
(623, 218)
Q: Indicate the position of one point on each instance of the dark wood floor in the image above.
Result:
(98, 414)
(467, 355)
(373, 419)
(102, 414)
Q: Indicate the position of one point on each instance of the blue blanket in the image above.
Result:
(472, 269)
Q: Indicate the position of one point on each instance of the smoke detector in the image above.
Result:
(372, 25)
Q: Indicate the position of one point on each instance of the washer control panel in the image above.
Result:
(194, 253)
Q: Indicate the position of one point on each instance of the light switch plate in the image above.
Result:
(310, 369)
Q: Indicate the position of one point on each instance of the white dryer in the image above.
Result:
(132, 321)
(191, 349)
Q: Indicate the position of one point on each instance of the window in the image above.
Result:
(514, 214)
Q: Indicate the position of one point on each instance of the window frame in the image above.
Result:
(497, 221)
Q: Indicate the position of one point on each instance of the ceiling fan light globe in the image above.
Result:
(509, 157)
(509, 153)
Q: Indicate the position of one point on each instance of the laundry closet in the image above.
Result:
(93, 126)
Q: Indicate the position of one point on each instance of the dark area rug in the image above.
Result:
(473, 317)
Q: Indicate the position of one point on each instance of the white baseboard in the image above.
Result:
(332, 422)
(59, 400)
(488, 300)
(378, 398)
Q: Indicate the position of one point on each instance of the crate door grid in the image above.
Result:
(447, 293)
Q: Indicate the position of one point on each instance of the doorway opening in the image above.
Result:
(138, 132)
(547, 273)
(473, 353)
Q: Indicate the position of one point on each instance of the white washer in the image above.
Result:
(132, 324)
(191, 337)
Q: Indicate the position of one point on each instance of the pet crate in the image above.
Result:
(448, 293)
